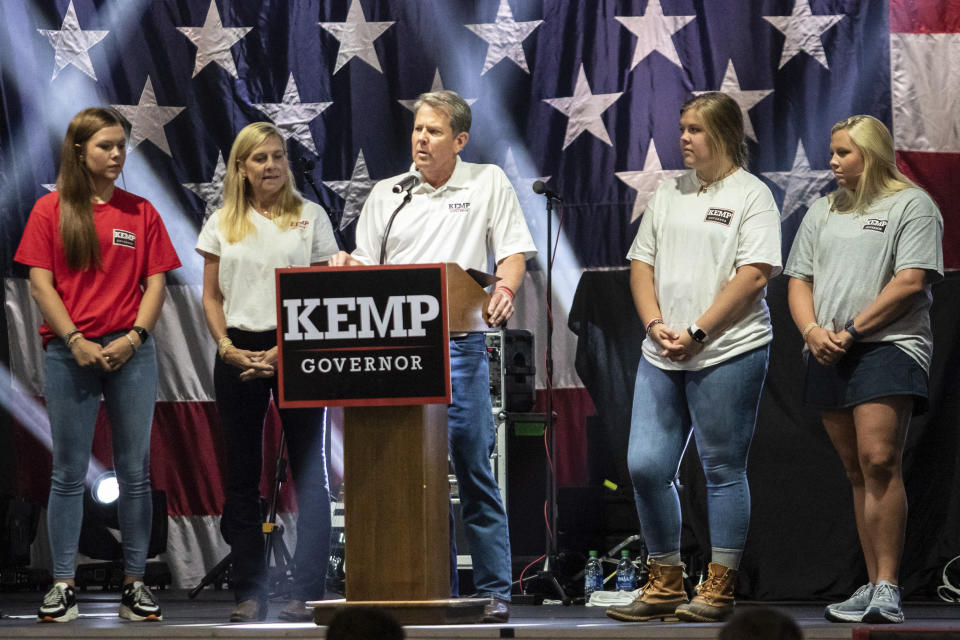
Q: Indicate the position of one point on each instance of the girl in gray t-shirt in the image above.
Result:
(861, 267)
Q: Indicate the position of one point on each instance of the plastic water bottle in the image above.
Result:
(592, 576)
(625, 572)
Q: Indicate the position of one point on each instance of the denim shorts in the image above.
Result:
(868, 371)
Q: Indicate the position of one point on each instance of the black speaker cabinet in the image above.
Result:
(512, 371)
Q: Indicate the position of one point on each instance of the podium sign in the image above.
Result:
(363, 336)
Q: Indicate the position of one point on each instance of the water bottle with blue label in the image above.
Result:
(626, 572)
(592, 576)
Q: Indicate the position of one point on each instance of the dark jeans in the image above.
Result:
(243, 407)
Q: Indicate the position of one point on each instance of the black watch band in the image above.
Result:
(143, 333)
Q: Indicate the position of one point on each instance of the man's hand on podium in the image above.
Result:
(343, 259)
(501, 306)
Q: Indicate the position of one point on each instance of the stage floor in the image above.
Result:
(205, 617)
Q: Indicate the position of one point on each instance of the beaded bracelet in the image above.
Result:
(653, 323)
(810, 326)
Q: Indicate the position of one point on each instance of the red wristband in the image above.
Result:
(503, 287)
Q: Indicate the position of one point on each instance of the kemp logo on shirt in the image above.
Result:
(458, 207)
(123, 238)
(720, 216)
(875, 224)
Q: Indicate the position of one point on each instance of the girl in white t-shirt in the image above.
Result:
(860, 272)
(707, 245)
(264, 225)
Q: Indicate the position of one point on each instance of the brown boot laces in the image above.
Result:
(654, 578)
(712, 585)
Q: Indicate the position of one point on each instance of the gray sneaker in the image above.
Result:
(851, 609)
(884, 606)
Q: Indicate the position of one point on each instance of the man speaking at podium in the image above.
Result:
(458, 212)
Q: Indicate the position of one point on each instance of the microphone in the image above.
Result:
(539, 187)
(408, 182)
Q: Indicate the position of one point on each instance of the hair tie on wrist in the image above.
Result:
(505, 288)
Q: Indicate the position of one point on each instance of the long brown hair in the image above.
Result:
(235, 223)
(75, 188)
(723, 122)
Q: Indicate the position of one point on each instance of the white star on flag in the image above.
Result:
(49, 186)
(147, 119)
(436, 86)
(801, 184)
(353, 191)
(211, 192)
(356, 37)
(584, 110)
(71, 44)
(294, 117)
(523, 186)
(654, 32)
(745, 98)
(213, 41)
(803, 32)
(504, 38)
(646, 180)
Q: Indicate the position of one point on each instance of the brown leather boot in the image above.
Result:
(714, 600)
(659, 597)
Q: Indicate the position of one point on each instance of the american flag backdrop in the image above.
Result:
(583, 94)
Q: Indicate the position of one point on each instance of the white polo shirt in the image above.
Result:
(247, 267)
(474, 212)
(695, 244)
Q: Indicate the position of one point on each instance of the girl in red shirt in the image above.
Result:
(97, 258)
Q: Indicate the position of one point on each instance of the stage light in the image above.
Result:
(106, 489)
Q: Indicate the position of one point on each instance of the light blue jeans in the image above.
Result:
(472, 437)
(73, 400)
(718, 405)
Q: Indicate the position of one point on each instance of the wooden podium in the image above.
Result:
(396, 501)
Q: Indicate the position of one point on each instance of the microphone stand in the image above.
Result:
(546, 574)
(307, 173)
(386, 232)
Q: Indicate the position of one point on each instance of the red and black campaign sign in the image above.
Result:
(361, 336)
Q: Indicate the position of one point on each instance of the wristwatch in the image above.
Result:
(698, 334)
(856, 335)
(143, 333)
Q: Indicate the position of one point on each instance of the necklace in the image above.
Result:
(706, 184)
(266, 213)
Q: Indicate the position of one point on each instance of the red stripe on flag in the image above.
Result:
(936, 173)
(571, 406)
(924, 16)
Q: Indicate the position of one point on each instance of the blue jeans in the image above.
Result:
(718, 405)
(472, 437)
(243, 406)
(73, 400)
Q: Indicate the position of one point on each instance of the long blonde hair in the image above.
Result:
(880, 175)
(235, 223)
(75, 188)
